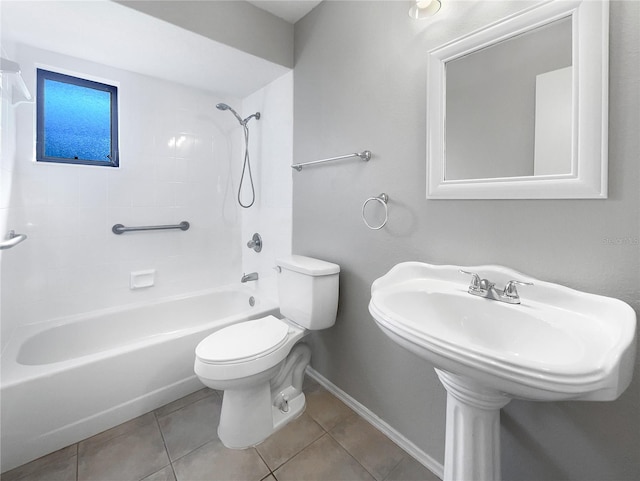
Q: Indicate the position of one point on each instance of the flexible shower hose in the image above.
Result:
(246, 166)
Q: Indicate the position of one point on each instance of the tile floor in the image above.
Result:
(178, 442)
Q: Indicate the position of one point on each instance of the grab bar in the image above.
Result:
(13, 240)
(364, 155)
(9, 66)
(119, 228)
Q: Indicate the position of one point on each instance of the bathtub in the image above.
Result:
(67, 379)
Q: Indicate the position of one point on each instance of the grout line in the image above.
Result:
(175, 476)
(355, 414)
(264, 461)
(213, 393)
(351, 455)
(396, 465)
(398, 438)
(193, 450)
(166, 450)
(324, 431)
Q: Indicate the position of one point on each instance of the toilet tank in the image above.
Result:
(308, 291)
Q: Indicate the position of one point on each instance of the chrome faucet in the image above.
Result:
(253, 276)
(485, 288)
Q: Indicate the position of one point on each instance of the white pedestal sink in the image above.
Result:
(557, 344)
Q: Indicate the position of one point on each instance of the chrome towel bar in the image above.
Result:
(364, 155)
(119, 228)
(12, 240)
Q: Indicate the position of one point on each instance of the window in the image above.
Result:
(77, 120)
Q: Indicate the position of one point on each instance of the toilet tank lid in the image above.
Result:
(308, 265)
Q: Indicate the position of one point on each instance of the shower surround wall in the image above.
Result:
(175, 164)
(364, 88)
(271, 151)
(7, 155)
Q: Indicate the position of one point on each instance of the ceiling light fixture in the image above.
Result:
(424, 9)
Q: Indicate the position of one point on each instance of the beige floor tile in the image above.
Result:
(214, 462)
(289, 441)
(411, 470)
(270, 478)
(324, 460)
(128, 457)
(377, 453)
(326, 409)
(184, 401)
(49, 462)
(60, 470)
(114, 432)
(165, 474)
(190, 427)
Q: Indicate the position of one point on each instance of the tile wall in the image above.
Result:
(177, 163)
(271, 153)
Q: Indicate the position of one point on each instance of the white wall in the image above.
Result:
(271, 152)
(237, 24)
(175, 165)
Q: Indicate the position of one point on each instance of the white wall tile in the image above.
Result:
(169, 172)
(271, 151)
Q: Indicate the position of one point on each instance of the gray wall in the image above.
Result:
(235, 23)
(359, 83)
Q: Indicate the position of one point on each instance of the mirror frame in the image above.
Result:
(590, 53)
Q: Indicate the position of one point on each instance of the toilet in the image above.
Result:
(260, 363)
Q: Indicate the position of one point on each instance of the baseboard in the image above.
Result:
(419, 455)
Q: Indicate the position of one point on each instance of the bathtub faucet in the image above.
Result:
(249, 277)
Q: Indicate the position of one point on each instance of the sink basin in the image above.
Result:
(558, 343)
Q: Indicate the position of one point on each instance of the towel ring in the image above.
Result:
(383, 199)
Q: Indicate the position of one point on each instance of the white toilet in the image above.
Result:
(258, 364)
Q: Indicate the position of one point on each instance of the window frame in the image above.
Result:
(42, 75)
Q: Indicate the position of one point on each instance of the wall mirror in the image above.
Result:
(519, 109)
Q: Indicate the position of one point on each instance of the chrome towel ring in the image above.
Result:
(384, 200)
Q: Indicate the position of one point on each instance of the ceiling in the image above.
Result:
(164, 51)
(289, 10)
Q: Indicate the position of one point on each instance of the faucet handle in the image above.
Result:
(255, 243)
(475, 280)
(510, 289)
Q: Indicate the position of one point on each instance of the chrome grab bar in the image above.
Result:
(119, 228)
(13, 240)
(364, 155)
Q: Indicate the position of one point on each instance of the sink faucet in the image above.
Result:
(485, 288)
(249, 277)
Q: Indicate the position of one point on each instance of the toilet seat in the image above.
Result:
(245, 349)
(244, 341)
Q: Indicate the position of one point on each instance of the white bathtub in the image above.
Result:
(68, 379)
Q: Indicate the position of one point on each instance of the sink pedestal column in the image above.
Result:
(472, 446)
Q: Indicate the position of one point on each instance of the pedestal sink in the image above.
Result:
(556, 344)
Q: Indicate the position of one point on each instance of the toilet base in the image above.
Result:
(250, 414)
(296, 405)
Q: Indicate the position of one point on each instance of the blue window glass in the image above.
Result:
(77, 120)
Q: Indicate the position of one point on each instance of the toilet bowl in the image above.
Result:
(260, 364)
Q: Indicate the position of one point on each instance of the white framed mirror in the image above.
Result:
(519, 109)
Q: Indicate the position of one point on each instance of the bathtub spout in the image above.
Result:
(249, 277)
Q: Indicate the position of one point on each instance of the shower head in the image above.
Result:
(223, 106)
